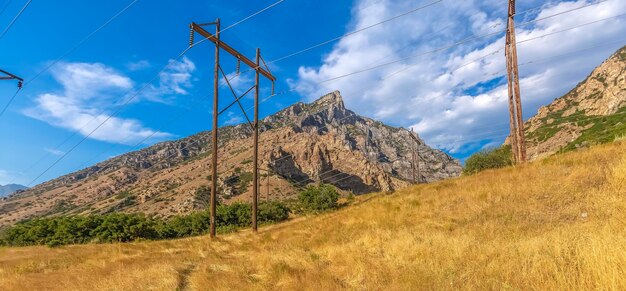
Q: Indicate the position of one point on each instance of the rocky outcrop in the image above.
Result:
(590, 113)
(305, 143)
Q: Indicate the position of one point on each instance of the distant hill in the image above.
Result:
(9, 189)
(592, 113)
(304, 143)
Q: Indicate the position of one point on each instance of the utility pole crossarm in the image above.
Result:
(10, 76)
(196, 27)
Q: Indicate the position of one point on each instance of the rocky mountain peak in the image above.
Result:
(330, 100)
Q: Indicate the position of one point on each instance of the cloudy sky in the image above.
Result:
(436, 66)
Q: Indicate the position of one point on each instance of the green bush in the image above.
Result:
(492, 158)
(322, 197)
(123, 227)
(273, 211)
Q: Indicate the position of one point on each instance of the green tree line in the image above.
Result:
(128, 227)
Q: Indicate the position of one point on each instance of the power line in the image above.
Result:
(14, 18)
(252, 15)
(4, 109)
(5, 7)
(356, 31)
(80, 43)
(465, 40)
(125, 104)
(456, 44)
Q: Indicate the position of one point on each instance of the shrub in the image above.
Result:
(123, 227)
(322, 197)
(273, 211)
(492, 158)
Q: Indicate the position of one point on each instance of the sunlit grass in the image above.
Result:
(558, 223)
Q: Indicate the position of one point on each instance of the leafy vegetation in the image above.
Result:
(122, 227)
(319, 198)
(492, 158)
(605, 129)
(245, 179)
(123, 195)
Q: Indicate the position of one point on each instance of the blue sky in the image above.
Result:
(455, 106)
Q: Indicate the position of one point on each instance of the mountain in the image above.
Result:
(593, 112)
(304, 143)
(9, 189)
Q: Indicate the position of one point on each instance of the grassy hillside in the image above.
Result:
(558, 223)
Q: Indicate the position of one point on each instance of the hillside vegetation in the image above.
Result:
(591, 113)
(557, 223)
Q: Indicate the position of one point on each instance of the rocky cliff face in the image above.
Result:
(304, 143)
(593, 112)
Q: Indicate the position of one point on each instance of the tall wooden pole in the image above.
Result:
(417, 157)
(513, 70)
(267, 195)
(255, 173)
(512, 109)
(413, 166)
(215, 126)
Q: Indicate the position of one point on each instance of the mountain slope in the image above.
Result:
(593, 112)
(304, 143)
(9, 189)
(555, 224)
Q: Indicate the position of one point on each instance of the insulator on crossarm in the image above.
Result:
(272, 87)
(191, 35)
(238, 66)
(20, 85)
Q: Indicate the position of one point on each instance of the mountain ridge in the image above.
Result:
(6, 190)
(304, 143)
(591, 113)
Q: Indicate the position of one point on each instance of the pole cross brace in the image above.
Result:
(237, 98)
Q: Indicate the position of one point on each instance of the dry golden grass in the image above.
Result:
(555, 224)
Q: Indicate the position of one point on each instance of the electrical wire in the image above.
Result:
(5, 6)
(117, 111)
(14, 19)
(80, 43)
(4, 109)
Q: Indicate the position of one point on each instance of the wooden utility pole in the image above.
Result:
(515, 99)
(194, 27)
(415, 165)
(267, 184)
(255, 158)
(215, 128)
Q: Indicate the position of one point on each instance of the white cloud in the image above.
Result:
(89, 91)
(233, 119)
(54, 152)
(437, 93)
(240, 83)
(138, 65)
(174, 80)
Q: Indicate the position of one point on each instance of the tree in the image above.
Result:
(320, 198)
(491, 158)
